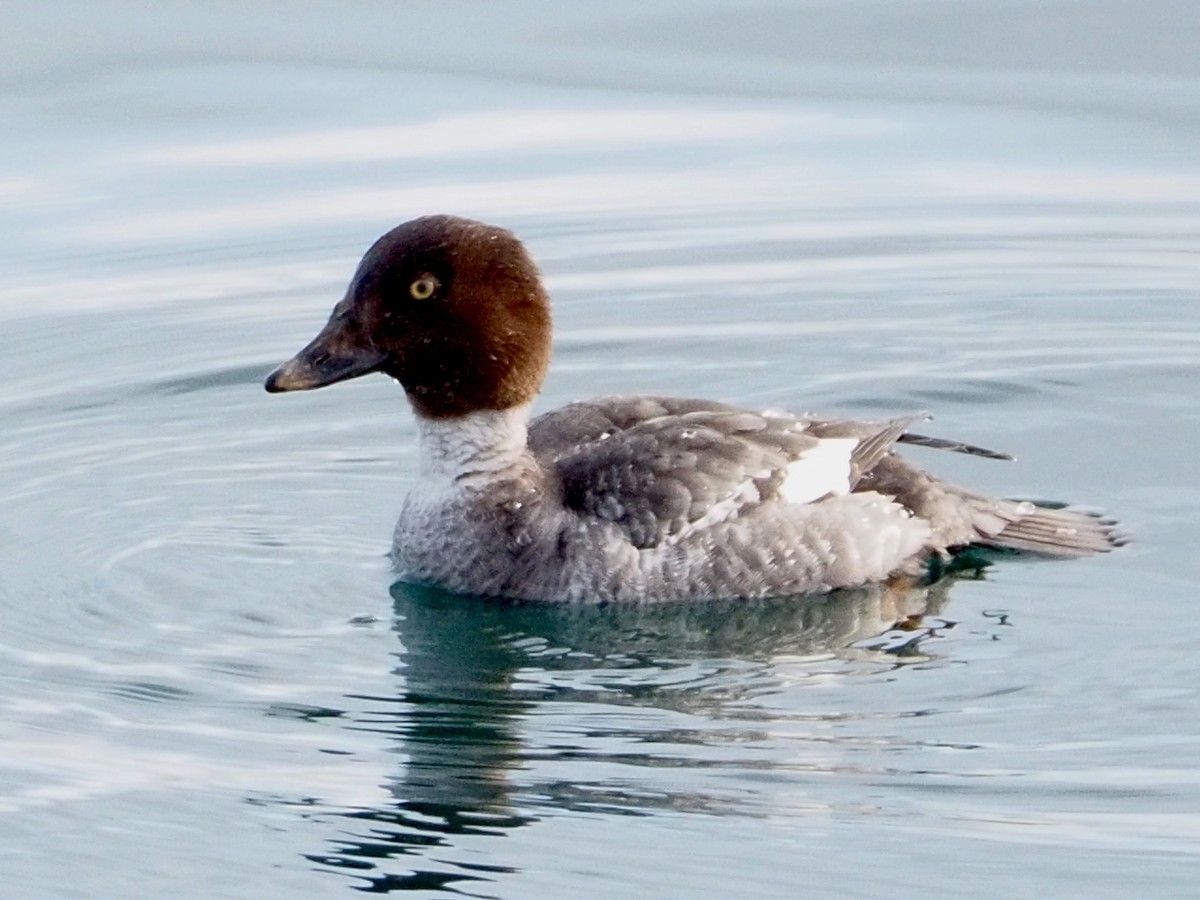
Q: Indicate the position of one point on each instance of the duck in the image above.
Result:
(631, 499)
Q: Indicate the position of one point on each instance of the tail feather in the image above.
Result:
(1065, 532)
(960, 518)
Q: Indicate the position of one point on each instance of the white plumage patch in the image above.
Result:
(823, 470)
(474, 446)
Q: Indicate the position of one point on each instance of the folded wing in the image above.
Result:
(663, 469)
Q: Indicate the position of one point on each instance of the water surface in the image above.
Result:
(210, 685)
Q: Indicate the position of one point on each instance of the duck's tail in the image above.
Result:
(959, 518)
(1048, 529)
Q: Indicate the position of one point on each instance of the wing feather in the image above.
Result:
(662, 469)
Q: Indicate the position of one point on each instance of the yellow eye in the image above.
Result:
(423, 287)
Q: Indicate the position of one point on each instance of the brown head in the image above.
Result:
(451, 308)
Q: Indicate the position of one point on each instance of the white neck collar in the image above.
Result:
(477, 445)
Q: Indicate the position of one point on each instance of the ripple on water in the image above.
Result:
(161, 637)
(212, 644)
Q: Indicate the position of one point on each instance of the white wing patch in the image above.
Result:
(823, 470)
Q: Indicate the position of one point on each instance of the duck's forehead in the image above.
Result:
(437, 240)
(405, 246)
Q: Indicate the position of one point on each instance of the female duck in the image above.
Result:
(626, 498)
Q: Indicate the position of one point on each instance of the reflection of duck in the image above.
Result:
(487, 634)
(626, 498)
(478, 676)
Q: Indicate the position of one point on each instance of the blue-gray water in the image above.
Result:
(209, 686)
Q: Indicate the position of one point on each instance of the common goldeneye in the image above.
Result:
(627, 498)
